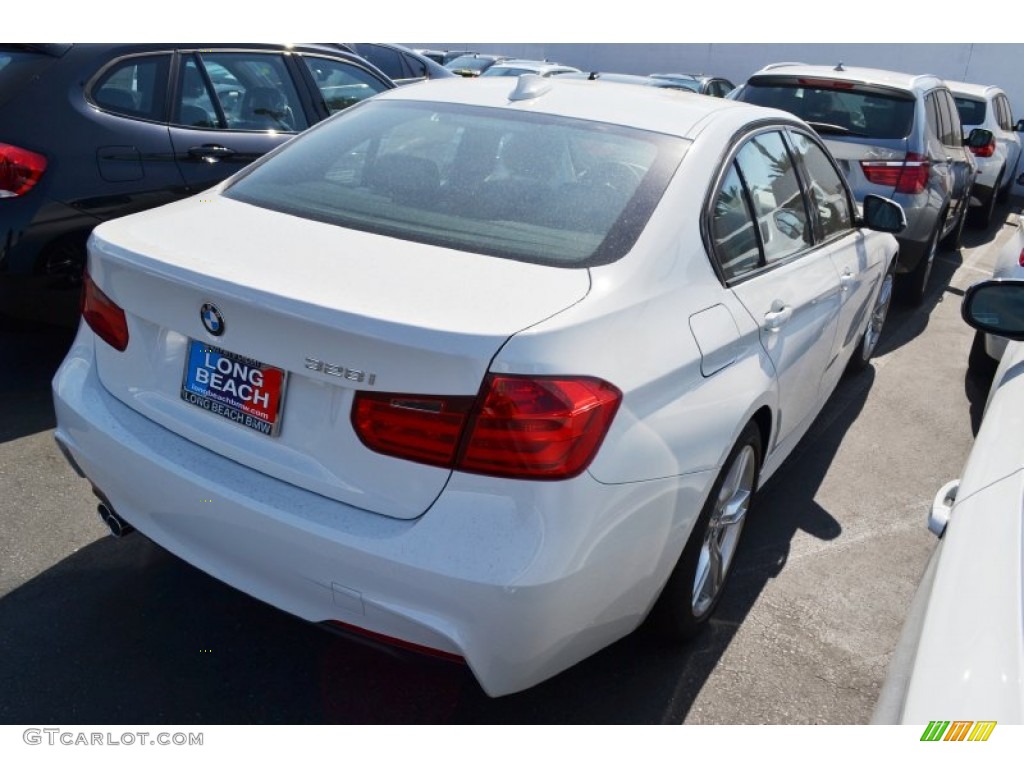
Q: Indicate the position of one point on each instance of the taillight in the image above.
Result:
(415, 427)
(987, 151)
(909, 175)
(103, 315)
(545, 428)
(1020, 258)
(20, 169)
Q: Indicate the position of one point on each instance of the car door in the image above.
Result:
(230, 107)
(763, 240)
(954, 156)
(131, 168)
(859, 261)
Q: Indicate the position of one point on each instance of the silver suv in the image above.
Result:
(895, 135)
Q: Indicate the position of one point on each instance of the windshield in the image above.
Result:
(844, 110)
(535, 188)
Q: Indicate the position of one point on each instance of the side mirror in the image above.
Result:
(1019, 126)
(883, 215)
(996, 307)
(980, 137)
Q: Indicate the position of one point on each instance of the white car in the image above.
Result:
(961, 654)
(1009, 264)
(480, 369)
(987, 106)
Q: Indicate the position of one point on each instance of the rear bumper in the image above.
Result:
(520, 579)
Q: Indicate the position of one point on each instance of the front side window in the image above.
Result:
(135, 87)
(341, 84)
(825, 188)
(504, 183)
(775, 195)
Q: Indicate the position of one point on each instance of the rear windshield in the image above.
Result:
(972, 111)
(536, 188)
(842, 111)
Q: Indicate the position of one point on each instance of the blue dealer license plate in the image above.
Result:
(238, 388)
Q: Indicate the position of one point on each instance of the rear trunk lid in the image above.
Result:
(336, 310)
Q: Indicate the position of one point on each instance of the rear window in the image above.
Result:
(536, 188)
(972, 111)
(841, 111)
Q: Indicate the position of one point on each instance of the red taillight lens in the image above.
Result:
(909, 175)
(20, 169)
(415, 427)
(1020, 258)
(103, 315)
(522, 427)
(987, 151)
(538, 427)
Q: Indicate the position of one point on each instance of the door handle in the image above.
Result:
(777, 316)
(211, 153)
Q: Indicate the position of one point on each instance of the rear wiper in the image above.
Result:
(833, 128)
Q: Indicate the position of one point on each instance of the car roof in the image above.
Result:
(973, 89)
(662, 110)
(842, 72)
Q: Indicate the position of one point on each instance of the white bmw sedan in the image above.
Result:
(487, 369)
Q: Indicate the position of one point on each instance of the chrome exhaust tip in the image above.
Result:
(119, 527)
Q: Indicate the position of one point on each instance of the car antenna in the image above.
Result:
(592, 76)
(839, 67)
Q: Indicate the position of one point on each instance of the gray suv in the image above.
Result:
(895, 135)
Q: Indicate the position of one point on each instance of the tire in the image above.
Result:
(696, 585)
(914, 284)
(876, 322)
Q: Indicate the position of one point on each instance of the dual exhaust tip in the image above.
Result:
(119, 527)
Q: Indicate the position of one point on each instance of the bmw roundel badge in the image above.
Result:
(212, 319)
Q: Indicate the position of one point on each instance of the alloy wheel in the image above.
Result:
(723, 532)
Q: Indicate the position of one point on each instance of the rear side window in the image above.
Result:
(840, 111)
(135, 87)
(505, 183)
(972, 111)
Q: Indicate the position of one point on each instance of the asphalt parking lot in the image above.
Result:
(104, 631)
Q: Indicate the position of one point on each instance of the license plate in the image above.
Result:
(236, 387)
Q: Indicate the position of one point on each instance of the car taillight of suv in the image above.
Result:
(20, 170)
(909, 175)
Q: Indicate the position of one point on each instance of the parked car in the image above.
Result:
(960, 655)
(474, 64)
(988, 348)
(442, 57)
(704, 84)
(624, 79)
(894, 134)
(540, 345)
(986, 106)
(516, 67)
(93, 132)
(403, 65)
